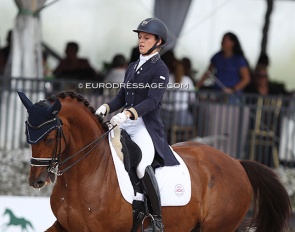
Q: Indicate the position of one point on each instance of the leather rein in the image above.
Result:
(54, 163)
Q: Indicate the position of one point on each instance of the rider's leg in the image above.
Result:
(151, 188)
(145, 172)
(139, 134)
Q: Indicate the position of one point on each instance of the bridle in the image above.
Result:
(54, 163)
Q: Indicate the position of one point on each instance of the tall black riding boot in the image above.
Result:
(151, 189)
(138, 212)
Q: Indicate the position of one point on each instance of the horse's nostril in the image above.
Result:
(39, 184)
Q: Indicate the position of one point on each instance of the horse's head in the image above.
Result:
(58, 129)
(7, 211)
(43, 132)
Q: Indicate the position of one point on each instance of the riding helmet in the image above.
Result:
(154, 26)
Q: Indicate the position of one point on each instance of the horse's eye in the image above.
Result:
(49, 141)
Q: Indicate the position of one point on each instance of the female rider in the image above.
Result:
(145, 82)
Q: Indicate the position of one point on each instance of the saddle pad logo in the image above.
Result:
(179, 190)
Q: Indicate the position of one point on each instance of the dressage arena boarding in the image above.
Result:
(248, 127)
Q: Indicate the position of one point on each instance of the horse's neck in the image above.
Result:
(11, 215)
(97, 164)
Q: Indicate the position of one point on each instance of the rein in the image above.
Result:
(54, 162)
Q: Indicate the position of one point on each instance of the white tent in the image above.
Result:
(25, 61)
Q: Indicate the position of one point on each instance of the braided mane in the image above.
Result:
(79, 98)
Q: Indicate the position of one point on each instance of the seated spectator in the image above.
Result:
(188, 71)
(117, 72)
(262, 85)
(73, 67)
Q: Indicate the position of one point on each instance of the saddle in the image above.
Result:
(174, 181)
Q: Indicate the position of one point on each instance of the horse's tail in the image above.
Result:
(271, 203)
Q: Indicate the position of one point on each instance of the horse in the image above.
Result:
(86, 194)
(15, 221)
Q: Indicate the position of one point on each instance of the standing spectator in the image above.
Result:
(229, 66)
(74, 67)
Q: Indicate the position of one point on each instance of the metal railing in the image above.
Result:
(245, 126)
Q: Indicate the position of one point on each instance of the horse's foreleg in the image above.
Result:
(56, 227)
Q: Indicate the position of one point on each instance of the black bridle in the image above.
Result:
(54, 163)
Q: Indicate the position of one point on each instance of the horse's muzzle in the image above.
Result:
(38, 181)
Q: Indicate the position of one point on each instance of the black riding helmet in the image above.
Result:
(156, 27)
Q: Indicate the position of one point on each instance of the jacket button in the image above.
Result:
(131, 104)
(132, 93)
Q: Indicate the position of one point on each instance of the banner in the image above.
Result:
(19, 214)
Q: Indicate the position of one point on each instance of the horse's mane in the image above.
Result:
(80, 98)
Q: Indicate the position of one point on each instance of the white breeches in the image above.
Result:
(139, 134)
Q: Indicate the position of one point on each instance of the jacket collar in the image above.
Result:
(148, 64)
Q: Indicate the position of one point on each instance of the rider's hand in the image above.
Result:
(119, 118)
(102, 110)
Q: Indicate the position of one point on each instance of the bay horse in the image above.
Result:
(86, 194)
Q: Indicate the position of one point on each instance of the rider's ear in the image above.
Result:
(159, 42)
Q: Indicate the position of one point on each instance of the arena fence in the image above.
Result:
(243, 126)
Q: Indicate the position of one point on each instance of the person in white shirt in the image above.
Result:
(178, 98)
(117, 73)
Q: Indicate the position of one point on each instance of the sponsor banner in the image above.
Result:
(28, 214)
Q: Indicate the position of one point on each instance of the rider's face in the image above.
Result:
(145, 42)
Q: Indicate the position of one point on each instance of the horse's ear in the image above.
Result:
(25, 100)
(55, 108)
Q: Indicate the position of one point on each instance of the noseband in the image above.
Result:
(54, 160)
(54, 163)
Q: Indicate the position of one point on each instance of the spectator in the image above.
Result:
(176, 101)
(229, 65)
(116, 74)
(188, 71)
(262, 85)
(134, 54)
(169, 58)
(47, 71)
(72, 66)
(4, 52)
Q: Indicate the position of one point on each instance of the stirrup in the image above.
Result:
(152, 226)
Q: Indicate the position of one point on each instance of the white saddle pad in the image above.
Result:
(174, 181)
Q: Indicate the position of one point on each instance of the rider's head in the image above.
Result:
(152, 35)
